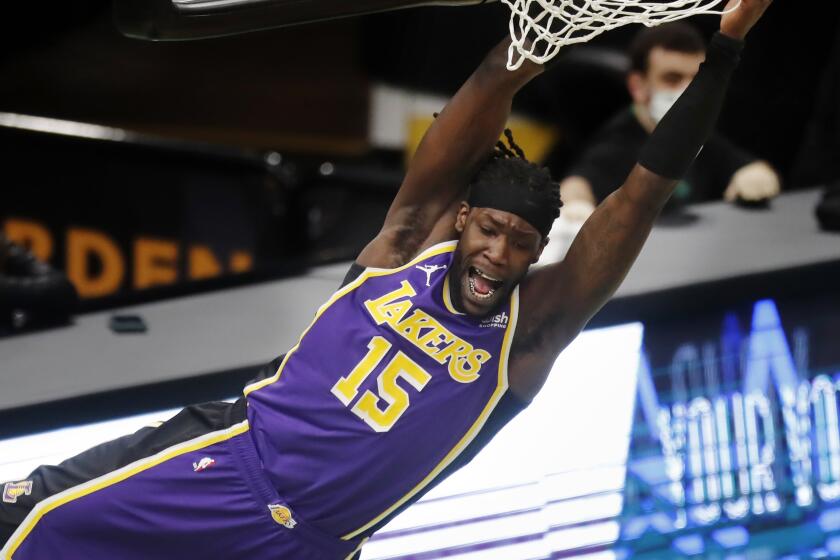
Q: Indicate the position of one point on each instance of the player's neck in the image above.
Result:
(454, 287)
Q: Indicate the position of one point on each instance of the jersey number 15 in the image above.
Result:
(367, 407)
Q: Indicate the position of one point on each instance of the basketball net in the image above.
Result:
(539, 28)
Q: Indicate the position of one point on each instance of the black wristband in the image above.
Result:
(727, 45)
(679, 137)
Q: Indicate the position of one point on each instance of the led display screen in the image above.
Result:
(736, 424)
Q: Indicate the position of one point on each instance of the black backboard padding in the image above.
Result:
(163, 20)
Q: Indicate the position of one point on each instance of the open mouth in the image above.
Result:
(482, 285)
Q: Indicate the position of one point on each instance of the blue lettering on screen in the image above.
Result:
(741, 417)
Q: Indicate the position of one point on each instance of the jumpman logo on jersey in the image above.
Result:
(428, 269)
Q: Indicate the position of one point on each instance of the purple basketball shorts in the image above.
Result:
(206, 497)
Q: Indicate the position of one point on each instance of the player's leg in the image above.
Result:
(188, 500)
(206, 497)
(20, 497)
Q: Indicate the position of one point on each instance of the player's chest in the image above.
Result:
(395, 354)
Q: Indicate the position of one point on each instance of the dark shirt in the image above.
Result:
(819, 157)
(614, 151)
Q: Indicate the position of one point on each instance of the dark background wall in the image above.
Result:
(301, 88)
(304, 88)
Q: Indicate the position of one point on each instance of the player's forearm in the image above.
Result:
(477, 114)
(604, 250)
(493, 69)
(462, 136)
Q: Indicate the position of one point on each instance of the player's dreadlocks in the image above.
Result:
(512, 150)
(508, 181)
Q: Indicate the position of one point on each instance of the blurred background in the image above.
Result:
(246, 153)
(175, 212)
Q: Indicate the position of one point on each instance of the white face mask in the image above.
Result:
(661, 102)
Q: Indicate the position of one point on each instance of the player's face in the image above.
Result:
(494, 253)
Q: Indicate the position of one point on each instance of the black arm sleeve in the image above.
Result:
(681, 134)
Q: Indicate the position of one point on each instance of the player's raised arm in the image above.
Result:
(559, 300)
(453, 148)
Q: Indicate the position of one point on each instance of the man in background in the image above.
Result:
(664, 60)
(818, 163)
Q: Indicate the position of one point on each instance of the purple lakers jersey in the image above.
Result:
(384, 390)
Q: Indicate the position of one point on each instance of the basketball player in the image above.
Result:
(434, 342)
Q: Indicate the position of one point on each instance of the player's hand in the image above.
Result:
(755, 182)
(739, 21)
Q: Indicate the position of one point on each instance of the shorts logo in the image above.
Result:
(499, 321)
(282, 515)
(205, 463)
(13, 490)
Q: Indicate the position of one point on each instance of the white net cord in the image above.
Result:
(539, 28)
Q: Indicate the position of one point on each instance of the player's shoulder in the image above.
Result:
(426, 252)
(384, 254)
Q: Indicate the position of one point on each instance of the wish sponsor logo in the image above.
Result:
(13, 490)
(499, 321)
